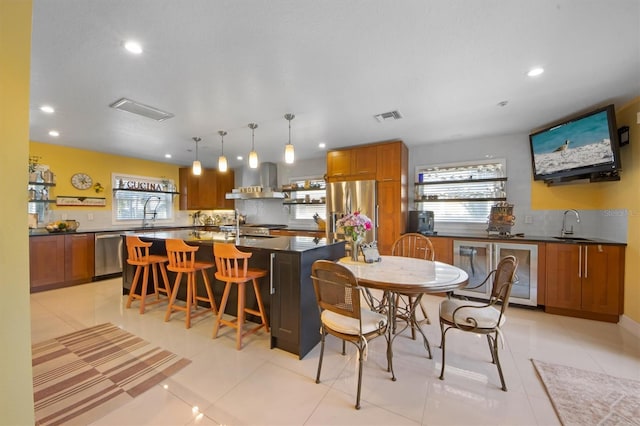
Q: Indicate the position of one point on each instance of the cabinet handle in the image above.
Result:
(586, 260)
(272, 289)
(579, 261)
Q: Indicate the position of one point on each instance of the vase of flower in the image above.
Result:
(355, 226)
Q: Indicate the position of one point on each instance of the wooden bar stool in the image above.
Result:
(182, 260)
(232, 268)
(138, 255)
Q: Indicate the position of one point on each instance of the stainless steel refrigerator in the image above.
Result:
(347, 197)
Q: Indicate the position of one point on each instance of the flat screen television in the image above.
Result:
(582, 147)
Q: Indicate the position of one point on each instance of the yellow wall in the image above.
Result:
(65, 162)
(624, 194)
(627, 195)
(16, 389)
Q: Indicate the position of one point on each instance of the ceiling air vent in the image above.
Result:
(124, 104)
(388, 116)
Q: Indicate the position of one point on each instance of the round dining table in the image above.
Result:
(408, 276)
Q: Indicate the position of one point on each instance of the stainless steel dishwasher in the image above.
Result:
(108, 254)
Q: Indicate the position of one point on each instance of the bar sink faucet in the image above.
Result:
(569, 231)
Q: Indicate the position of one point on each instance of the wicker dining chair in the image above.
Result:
(338, 296)
(482, 318)
(420, 247)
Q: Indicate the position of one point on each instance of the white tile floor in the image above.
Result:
(258, 385)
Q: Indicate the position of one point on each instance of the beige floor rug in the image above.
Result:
(586, 398)
(80, 377)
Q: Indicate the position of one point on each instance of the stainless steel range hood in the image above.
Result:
(260, 183)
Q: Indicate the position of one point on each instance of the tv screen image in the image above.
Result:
(580, 146)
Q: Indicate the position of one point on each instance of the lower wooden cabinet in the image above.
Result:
(443, 248)
(585, 280)
(60, 260)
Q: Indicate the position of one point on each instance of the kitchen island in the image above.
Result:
(287, 291)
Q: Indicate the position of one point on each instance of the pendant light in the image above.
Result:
(253, 155)
(222, 160)
(289, 154)
(196, 168)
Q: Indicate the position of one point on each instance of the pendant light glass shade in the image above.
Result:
(253, 155)
(289, 154)
(222, 160)
(196, 168)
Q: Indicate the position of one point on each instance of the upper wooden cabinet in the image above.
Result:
(358, 163)
(207, 191)
(392, 161)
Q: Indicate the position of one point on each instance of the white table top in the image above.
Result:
(407, 275)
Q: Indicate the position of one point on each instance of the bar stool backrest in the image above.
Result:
(182, 256)
(137, 251)
(231, 263)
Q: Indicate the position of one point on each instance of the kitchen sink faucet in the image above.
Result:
(145, 222)
(564, 230)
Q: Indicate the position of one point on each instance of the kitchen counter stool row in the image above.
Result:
(231, 268)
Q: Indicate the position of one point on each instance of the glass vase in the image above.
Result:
(355, 248)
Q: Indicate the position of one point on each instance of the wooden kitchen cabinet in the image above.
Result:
(387, 163)
(46, 261)
(352, 164)
(585, 280)
(60, 260)
(443, 248)
(207, 191)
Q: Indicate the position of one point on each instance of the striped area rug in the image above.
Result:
(80, 377)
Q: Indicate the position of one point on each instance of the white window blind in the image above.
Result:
(462, 193)
(130, 198)
(306, 210)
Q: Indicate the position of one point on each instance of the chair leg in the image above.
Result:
(165, 279)
(134, 285)
(143, 290)
(241, 314)
(360, 362)
(261, 309)
(344, 347)
(207, 286)
(494, 355)
(190, 290)
(322, 336)
(174, 294)
(223, 305)
(442, 341)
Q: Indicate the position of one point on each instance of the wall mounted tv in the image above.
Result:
(584, 147)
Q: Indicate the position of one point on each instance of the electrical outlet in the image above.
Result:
(528, 219)
(89, 216)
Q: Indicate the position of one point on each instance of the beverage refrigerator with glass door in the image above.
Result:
(478, 258)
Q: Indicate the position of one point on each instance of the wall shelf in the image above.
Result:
(437, 200)
(145, 190)
(445, 182)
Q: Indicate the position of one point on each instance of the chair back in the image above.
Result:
(413, 245)
(231, 263)
(503, 279)
(137, 251)
(336, 288)
(182, 257)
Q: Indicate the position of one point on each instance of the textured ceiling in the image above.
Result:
(445, 65)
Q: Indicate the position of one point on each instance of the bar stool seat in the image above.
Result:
(138, 256)
(182, 260)
(232, 267)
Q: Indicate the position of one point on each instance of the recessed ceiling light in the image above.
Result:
(322, 145)
(534, 72)
(239, 157)
(54, 133)
(48, 109)
(133, 47)
(167, 156)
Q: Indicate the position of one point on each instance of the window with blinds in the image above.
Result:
(462, 193)
(132, 193)
(306, 202)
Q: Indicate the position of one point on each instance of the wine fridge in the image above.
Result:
(478, 258)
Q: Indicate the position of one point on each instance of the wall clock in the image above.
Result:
(81, 181)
